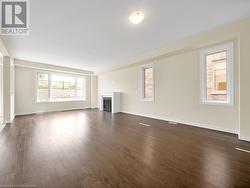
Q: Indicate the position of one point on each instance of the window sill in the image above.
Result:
(61, 101)
(148, 99)
(219, 93)
(219, 103)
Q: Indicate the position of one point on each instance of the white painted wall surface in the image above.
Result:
(25, 94)
(1, 91)
(177, 92)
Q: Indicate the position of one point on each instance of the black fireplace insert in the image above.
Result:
(107, 104)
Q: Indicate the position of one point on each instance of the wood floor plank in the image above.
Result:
(90, 148)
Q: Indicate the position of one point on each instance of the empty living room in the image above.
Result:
(125, 94)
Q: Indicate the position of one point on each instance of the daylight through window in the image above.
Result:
(217, 74)
(56, 87)
(147, 82)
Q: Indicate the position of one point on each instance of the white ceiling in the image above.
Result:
(96, 35)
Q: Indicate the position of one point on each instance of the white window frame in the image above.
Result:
(142, 80)
(49, 86)
(228, 47)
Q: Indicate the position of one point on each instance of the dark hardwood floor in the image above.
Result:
(89, 148)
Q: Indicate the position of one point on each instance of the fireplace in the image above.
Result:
(110, 102)
(107, 104)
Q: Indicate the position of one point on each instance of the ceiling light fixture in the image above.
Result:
(136, 17)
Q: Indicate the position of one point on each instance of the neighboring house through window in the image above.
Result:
(217, 74)
(147, 82)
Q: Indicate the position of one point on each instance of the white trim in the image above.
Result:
(142, 68)
(244, 137)
(228, 47)
(12, 118)
(47, 111)
(195, 124)
(49, 73)
(53, 69)
(60, 101)
(116, 100)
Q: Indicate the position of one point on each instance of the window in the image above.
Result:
(217, 75)
(43, 87)
(57, 87)
(147, 82)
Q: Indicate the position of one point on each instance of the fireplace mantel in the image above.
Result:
(116, 100)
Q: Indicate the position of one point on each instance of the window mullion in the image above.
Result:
(49, 88)
(84, 89)
(75, 87)
(60, 94)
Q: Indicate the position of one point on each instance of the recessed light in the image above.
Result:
(136, 17)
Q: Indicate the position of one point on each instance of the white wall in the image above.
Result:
(245, 83)
(1, 91)
(177, 95)
(12, 90)
(6, 82)
(94, 92)
(25, 92)
(8, 89)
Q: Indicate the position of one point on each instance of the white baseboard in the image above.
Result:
(12, 118)
(201, 125)
(244, 137)
(3, 123)
(46, 111)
